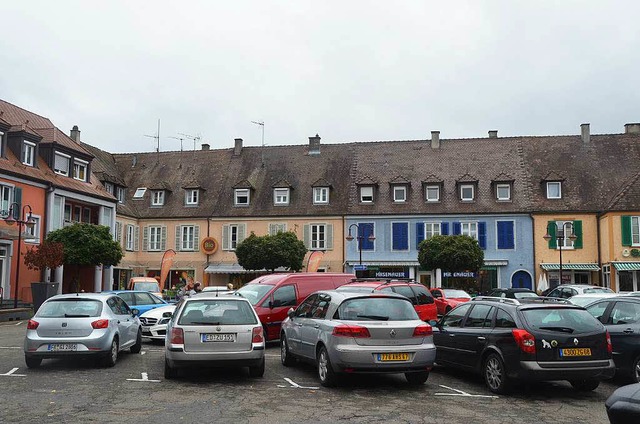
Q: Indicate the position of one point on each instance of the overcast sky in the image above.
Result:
(347, 70)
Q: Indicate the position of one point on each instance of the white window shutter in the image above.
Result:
(163, 238)
(307, 235)
(242, 230)
(145, 238)
(196, 238)
(178, 238)
(329, 235)
(225, 237)
(136, 238)
(119, 232)
(272, 229)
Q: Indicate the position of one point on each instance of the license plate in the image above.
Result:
(63, 347)
(388, 357)
(582, 351)
(219, 337)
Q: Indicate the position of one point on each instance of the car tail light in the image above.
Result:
(177, 336)
(32, 325)
(351, 331)
(257, 335)
(101, 323)
(423, 330)
(609, 345)
(526, 342)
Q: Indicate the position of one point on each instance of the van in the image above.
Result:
(149, 284)
(272, 295)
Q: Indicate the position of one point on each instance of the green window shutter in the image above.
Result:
(551, 230)
(626, 230)
(329, 235)
(17, 197)
(225, 237)
(163, 238)
(178, 238)
(307, 236)
(145, 238)
(577, 230)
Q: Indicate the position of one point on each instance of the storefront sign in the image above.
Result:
(459, 274)
(209, 245)
(392, 274)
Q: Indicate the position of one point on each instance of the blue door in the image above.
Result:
(521, 280)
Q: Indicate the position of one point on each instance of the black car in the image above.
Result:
(621, 316)
(623, 406)
(513, 293)
(540, 340)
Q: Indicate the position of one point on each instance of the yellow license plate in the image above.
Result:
(583, 351)
(386, 357)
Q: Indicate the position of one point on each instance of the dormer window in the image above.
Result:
(192, 197)
(554, 190)
(140, 191)
(432, 193)
(108, 187)
(120, 194)
(321, 195)
(28, 153)
(467, 192)
(503, 192)
(366, 194)
(281, 196)
(61, 164)
(399, 194)
(80, 170)
(242, 197)
(157, 198)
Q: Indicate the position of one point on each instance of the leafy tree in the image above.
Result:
(452, 253)
(87, 244)
(46, 255)
(271, 252)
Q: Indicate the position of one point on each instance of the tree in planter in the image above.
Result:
(87, 245)
(452, 253)
(271, 251)
(46, 255)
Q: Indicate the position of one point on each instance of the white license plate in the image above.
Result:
(63, 347)
(219, 337)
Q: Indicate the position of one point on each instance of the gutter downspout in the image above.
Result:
(533, 234)
(344, 258)
(598, 215)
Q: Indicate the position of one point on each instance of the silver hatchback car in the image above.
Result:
(349, 332)
(208, 330)
(83, 324)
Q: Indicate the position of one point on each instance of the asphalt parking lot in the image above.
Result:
(135, 391)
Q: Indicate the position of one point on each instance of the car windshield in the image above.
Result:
(254, 292)
(598, 290)
(565, 320)
(70, 308)
(217, 312)
(152, 287)
(376, 309)
(456, 293)
(522, 295)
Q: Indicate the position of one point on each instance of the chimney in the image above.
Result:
(633, 128)
(238, 147)
(493, 133)
(75, 134)
(314, 145)
(435, 139)
(585, 133)
(205, 146)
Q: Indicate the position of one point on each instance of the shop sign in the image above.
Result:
(459, 274)
(209, 245)
(392, 274)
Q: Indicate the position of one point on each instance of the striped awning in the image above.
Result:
(234, 268)
(627, 266)
(385, 263)
(573, 267)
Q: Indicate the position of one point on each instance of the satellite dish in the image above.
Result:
(626, 253)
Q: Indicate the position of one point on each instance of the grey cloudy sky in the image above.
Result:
(348, 70)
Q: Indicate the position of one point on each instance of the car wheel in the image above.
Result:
(257, 371)
(325, 371)
(32, 362)
(285, 356)
(635, 370)
(169, 371)
(136, 348)
(416, 378)
(585, 385)
(112, 356)
(494, 374)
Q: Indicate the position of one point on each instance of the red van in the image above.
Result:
(272, 295)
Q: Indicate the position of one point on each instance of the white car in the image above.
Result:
(154, 322)
(588, 298)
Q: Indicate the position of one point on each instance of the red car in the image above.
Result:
(447, 299)
(422, 300)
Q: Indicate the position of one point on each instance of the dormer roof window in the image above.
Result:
(61, 164)
(80, 169)
(554, 189)
(191, 196)
(157, 198)
(242, 197)
(281, 196)
(28, 153)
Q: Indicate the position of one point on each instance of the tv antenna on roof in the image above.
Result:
(195, 139)
(157, 137)
(178, 138)
(261, 123)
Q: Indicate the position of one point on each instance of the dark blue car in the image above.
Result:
(143, 301)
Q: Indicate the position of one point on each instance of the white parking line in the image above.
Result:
(145, 378)
(10, 347)
(18, 323)
(461, 393)
(11, 373)
(296, 385)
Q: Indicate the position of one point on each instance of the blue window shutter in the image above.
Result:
(400, 236)
(419, 233)
(365, 230)
(482, 235)
(505, 235)
(511, 239)
(456, 228)
(444, 228)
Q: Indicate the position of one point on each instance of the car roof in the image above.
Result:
(380, 283)
(98, 296)
(214, 295)
(578, 286)
(514, 289)
(343, 295)
(127, 291)
(529, 303)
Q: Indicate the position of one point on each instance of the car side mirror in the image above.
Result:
(135, 312)
(291, 312)
(167, 314)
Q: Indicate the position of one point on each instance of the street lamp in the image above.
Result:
(29, 223)
(360, 237)
(559, 236)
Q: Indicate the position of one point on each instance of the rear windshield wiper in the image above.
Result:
(76, 316)
(562, 329)
(376, 317)
(204, 323)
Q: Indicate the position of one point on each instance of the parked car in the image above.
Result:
(97, 325)
(272, 295)
(418, 294)
(154, 322)
(513, 293)
(217, 289)
(447, 299)
(344, 332)
(565, 291)
(141, 300)
(149, 284)
(588, 298)
(621, 316)
(541, 340)
(623, 406)
(213, 331)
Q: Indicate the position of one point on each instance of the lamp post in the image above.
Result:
(560, 236)
(360, 237)
(29, 223)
